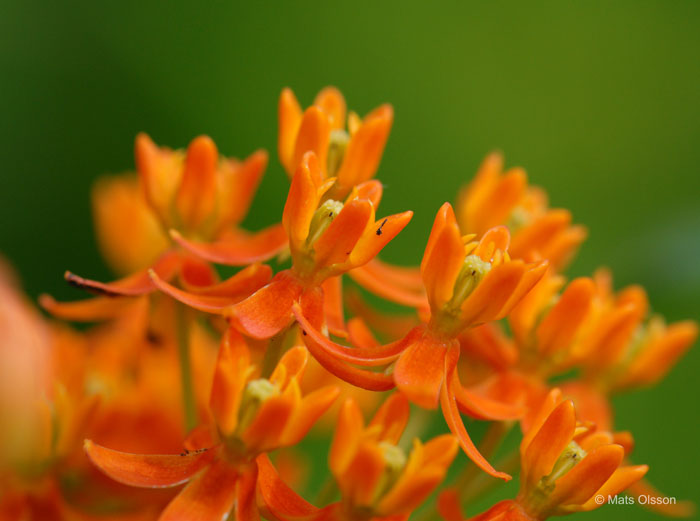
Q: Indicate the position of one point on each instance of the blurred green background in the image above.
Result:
(599, 101)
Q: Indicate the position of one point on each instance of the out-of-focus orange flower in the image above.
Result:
(495, 197)
(198, 198)
(375, 477)
(349, 156)
(467, 284)
(326, 239)
(250, 416)
(566, 466)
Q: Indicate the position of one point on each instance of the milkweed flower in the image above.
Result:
(250, 416)
(194, 195)
(377, 480)
(467, 284)
(351, 156)
(326, 238)
(566, 467)
(495, 197)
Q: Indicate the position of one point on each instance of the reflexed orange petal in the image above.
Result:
(246, 506)
(333, 306)
(146, 470)
(375, 282)
(313, 136)
(392, 416)
(579, 484)
(209, 496)
(373, 240)
(448, 505)
(277, 497)
(267, 311)
(454, 421)
(365, 148)
(239, 286)
(289, 118)
(480, 407)
(420, 370)
(238, 247)
(137, 284)
(196, 197)
(88, 310)
(332, 102)
(548, 444)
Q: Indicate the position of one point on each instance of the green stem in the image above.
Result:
(183, 349)
(328, 492)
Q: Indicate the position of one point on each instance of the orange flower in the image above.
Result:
(375, 477)
(565, 467)
(350, 157)
(466, 285)
(250, 416)
(495, 197)
(326, 239)
(195, 195)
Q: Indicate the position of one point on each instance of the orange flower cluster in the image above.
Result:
(194, 398)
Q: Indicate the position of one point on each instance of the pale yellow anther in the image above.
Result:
(336, 150)
(322, 219)
(394, 461)
(569, 458)
(472, 273)
(255, 394)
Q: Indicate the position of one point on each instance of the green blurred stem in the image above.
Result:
(328, 491)
(182, 319)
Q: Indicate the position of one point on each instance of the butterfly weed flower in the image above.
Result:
(376, 478)
(250, 416)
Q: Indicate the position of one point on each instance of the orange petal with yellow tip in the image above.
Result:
(454, 420)
(238, 247)
(196, 197)
(302, 200)
(133, 285)
(392, 417)
(336, 244)
(331, 101)
(366, 146)
(269, 310)
(560, 325)
(146, 470)
(277, 497)
(313, 136)
(210, 495)
(88, 310)
(289, 119)
(477, 406)
(333, 306)
(230, 376)
(443, 258)
(548, 443)
(580, 484)
(346, 436)
(374, 239)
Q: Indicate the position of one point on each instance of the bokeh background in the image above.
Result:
(599, 101)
